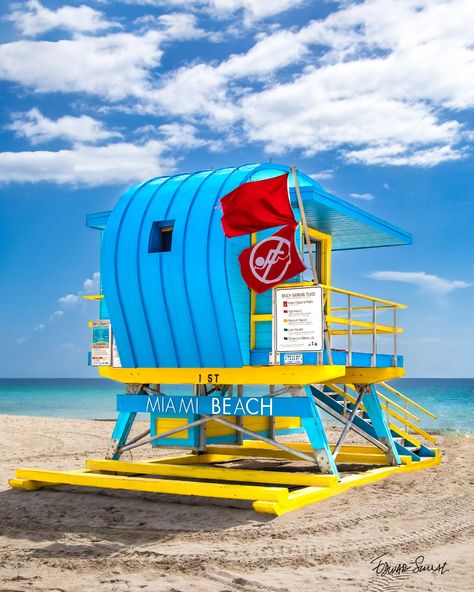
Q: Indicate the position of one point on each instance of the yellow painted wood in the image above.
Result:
(211, 473)
(357, 375)
(306, 447)
(382, 329)
(165, 424)
(249, 452)
(364, 296)
(216, 429)
(309, 495)
(259, 318)
(26, 484)
(400, 431)
(397, 406)
(408, 400)
(170, 486)
(304, 374)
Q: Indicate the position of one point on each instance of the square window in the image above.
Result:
(161, 236)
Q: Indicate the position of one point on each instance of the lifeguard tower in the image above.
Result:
(231, 376)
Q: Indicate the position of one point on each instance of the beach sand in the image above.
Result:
(71, 539)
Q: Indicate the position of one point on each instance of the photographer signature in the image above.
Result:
(383, 567)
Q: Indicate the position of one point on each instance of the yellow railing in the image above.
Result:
(346, 317)
(406, 428)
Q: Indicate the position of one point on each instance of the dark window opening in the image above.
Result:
(161, 236)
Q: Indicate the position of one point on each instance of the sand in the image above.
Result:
(85, 540)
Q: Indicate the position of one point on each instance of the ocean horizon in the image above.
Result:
(451, 399)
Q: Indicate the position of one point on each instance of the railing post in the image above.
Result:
(394, 337)
(374, 334)
(349, 332)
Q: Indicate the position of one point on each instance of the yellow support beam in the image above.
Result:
(268, 375)
(212, 473)
(181, 487)
(309, 495)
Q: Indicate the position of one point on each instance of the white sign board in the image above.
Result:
(298, 319)
(101, 350)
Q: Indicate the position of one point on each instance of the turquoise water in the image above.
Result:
(451, 399)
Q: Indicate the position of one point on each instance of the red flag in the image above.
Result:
(271, 261)
(257, 205)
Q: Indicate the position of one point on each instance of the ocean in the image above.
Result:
(451, 399)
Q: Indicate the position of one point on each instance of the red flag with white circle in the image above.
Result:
(271, 261)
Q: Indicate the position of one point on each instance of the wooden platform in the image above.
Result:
(270, 491)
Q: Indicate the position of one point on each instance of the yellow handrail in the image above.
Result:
(392, 413)
(93, 296)
(364, 296)
(388, 329)
(408, 400)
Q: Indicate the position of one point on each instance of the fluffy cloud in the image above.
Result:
(429, 282)
(379, 81)
(92, 285)
(114, 66)
(252, 10)
(69, 300)
(32, 18)
(38, 128)
(111, 164)
(364, 196)
(375, 94)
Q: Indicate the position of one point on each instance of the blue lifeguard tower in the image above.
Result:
(199, 351)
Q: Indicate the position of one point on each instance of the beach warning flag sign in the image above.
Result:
(257, 205)
(271, 261)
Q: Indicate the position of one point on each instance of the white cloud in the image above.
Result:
(69, 300)
(374, 95)
(92, 285)
(252, 10)
(374, 80)
(38, 128)
(32, 18)
(429, 282)
(322, 175)
(56, 314)
(39, 327)
(113, 67)
(364, 196)
(112, 164)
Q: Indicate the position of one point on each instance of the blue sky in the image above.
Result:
(374, 99)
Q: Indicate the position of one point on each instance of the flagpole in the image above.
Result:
(310, 253)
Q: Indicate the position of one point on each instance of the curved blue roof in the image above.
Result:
(183, 308)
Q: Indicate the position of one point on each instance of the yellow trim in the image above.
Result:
(304, 374)
(357, 375)
(93, 297)
(258, 318)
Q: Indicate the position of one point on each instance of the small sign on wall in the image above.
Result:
(298, 319)
(101, 348)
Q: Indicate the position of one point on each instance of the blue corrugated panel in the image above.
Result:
(188, 306)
